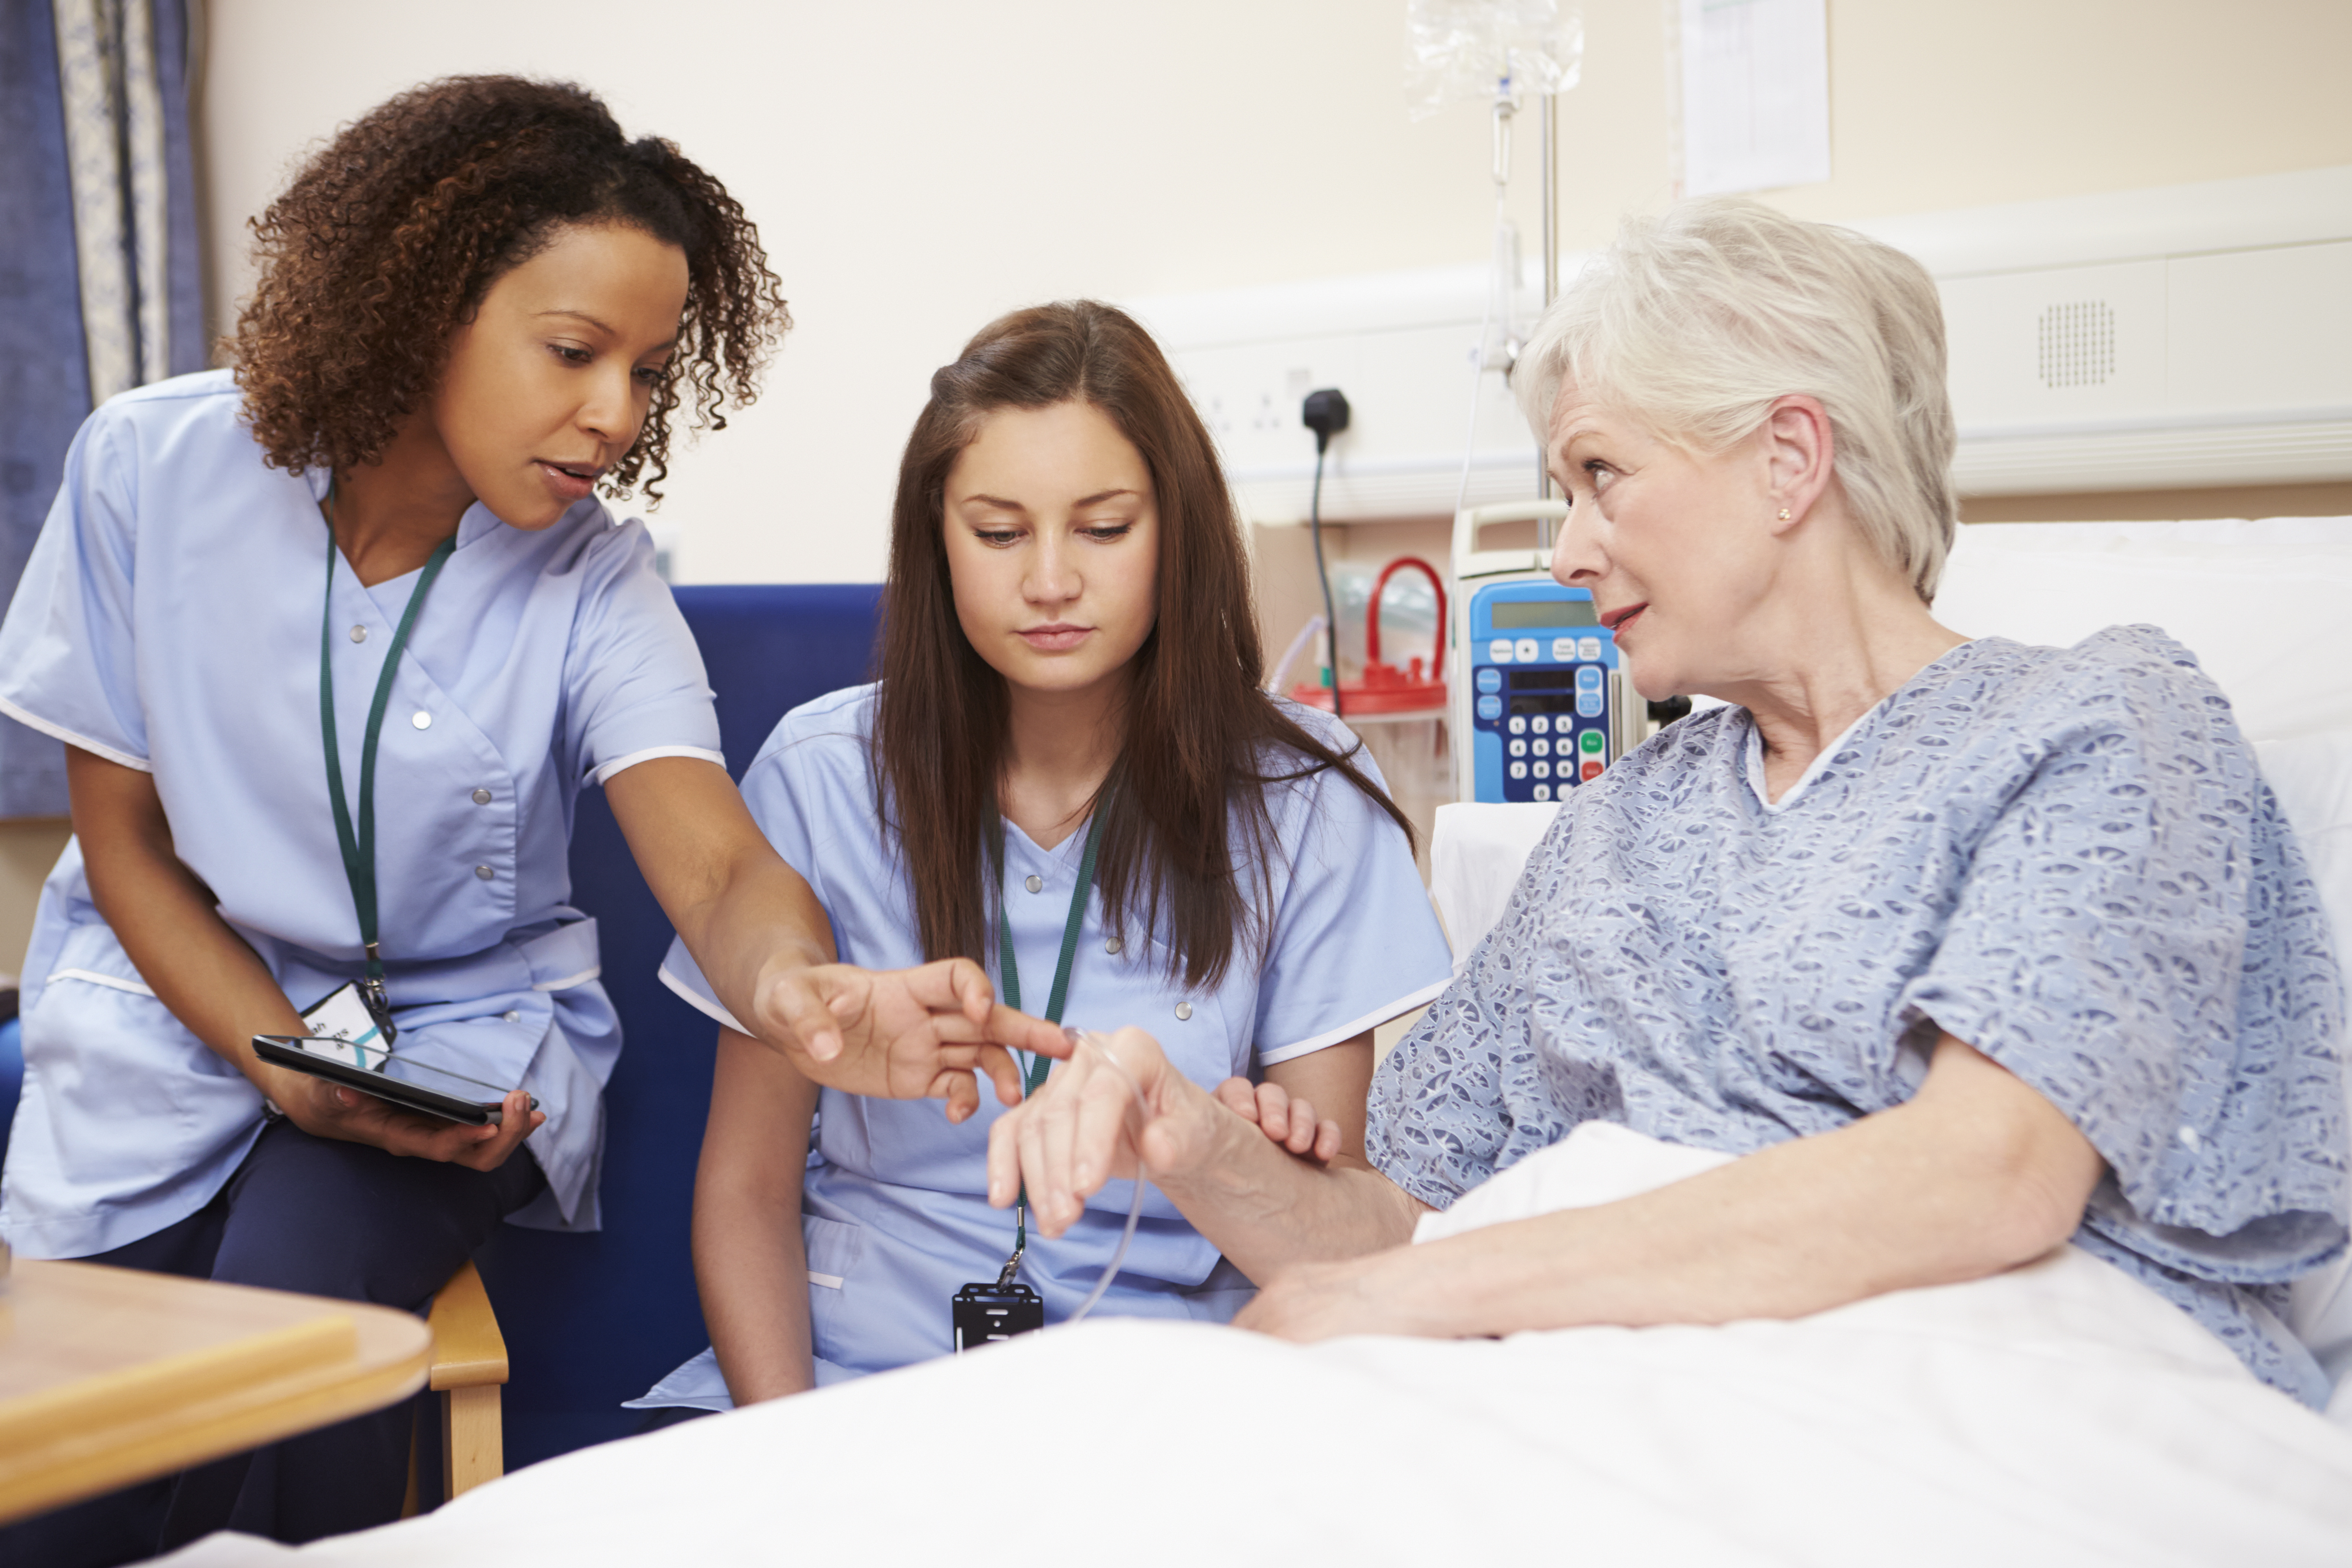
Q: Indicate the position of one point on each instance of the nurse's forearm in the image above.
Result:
(765, 920)
(750, 1265)
(754, 1280)
(765, 945)
(740, 909)
(169, 925)
(751, 1269)
(167, 921)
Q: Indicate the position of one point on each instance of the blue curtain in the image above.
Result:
(98, 281)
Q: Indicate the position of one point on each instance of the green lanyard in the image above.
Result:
(1009, 972)
(359, 848)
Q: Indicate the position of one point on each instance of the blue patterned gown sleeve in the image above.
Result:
(2065, 858)
(2139, 937)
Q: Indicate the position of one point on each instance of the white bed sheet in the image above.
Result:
(2058, 1414)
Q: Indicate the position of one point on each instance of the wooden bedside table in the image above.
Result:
(112, 1376)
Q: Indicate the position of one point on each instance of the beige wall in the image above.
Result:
(28, 847)
(918, 167)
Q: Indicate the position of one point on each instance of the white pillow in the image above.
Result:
(2260, 603)
(1475, 856)
(2312, 776)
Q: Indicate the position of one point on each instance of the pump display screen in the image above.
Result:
(1515, 614)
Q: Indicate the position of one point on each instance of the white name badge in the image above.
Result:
(343, 1019)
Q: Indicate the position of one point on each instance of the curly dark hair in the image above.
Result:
(387, 239)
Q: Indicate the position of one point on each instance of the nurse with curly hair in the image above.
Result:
(334, 640)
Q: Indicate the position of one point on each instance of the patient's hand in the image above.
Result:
(1083, 1128)
(1288, 1124)
(902, 1034)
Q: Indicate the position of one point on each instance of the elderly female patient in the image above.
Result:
(1968, 948)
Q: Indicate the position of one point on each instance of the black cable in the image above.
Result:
(1331, 620)
(1325, 412)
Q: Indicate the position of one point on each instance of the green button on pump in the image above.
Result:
(1590, 741)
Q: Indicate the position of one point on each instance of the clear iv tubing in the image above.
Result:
(1498, 283)
(1134, 1208)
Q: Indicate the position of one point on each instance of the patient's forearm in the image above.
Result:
(1267, 1209)
(1975, 1175)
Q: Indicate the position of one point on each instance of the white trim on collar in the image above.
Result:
(1812, 770)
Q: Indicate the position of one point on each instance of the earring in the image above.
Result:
(1784, 514)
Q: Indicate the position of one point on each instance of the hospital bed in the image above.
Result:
(2060, 1413)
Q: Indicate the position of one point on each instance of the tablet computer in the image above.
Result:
(388, 1075)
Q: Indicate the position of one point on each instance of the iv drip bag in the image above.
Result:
(1457, 51)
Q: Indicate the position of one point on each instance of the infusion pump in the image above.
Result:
(1539, 703)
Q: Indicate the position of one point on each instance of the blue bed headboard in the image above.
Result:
(591, 1319)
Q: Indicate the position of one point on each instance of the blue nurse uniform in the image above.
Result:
(168, 620)
(895, 1212)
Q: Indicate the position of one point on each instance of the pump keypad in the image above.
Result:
(1552, 720)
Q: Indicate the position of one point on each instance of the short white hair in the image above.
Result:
(1695, 322)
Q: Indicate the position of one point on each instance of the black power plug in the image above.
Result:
(1326, 413)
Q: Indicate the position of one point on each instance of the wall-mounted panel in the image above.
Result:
(2193, 335)
(2167, 458)
(2253, 333)
(2069, 345)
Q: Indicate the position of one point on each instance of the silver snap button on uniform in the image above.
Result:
(484, 872)
(514, 1017)
(1184, 1012)
(421, 719)
(1035, 884)
(481, 797)
(359, 634)
(1111, 945)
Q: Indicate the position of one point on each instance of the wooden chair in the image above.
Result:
(470, 1366)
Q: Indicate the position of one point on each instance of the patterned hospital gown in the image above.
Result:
(2065, 858)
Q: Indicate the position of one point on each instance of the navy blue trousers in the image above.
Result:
(326, 1218)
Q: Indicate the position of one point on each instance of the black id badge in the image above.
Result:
(986, 1313)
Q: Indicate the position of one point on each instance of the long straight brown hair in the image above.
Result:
(1203, 743)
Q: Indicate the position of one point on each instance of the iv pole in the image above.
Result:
(1547, 141)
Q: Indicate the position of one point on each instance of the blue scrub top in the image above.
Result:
(168, 620)
(896, 1214)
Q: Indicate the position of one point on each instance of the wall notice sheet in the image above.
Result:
(1756, 94)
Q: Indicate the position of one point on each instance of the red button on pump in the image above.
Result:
(1592, 766)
